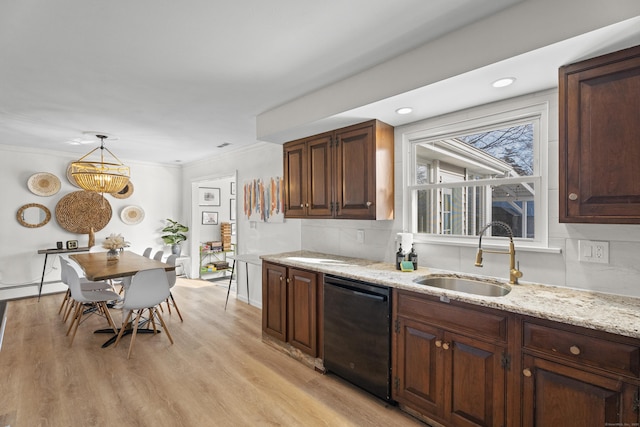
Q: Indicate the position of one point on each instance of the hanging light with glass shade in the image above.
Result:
(101, 177)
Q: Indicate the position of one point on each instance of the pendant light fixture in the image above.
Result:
(101, 177)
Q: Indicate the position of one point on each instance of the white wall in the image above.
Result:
(156, 190)
(620, 276)
(261, 160)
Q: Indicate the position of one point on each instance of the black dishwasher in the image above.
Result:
(357, 343)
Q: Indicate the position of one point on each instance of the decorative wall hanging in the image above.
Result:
(132, 215)
(208, 196)
(264, 200)
(33, 215)
(70, 177)
(43, 184)
(77, 212)
(125, 193)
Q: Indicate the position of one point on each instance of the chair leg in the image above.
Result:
(76, 307)
(124, 326)
(164, 326)
(71, 307)
(107, 314)
(65, 300)
(175, 306)
(135, 332)
(80, 312)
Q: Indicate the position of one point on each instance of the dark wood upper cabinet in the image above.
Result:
(600, 139)
(346, 173)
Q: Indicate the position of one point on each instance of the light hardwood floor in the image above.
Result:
(218, 373)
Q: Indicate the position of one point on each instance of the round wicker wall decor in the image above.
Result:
(77, 212)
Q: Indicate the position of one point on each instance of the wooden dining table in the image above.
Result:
(96, 267)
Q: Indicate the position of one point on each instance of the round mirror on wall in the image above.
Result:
(33, 215)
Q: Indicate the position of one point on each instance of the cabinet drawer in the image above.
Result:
(453, 316)
(589, 350)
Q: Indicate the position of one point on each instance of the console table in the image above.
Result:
(48, 252)
(247, 259)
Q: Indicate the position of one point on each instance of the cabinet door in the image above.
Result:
(418, 367)
(599, 150)
(302, 312)
(558, 395)
(355, 185)
(274, 300)
(295, 179)
(475, 382)
(320, 172)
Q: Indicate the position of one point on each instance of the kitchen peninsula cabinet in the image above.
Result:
(450, 360)
(290, 312)
(346, 173)
(573, 376)
(599, 150)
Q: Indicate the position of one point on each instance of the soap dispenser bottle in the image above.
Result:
(413, 257)
(399, 257)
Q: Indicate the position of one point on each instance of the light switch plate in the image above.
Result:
(360, 236)
(593, 251)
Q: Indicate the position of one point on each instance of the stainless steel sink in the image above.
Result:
(466, 285)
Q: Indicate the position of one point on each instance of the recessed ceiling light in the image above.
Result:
(404, 110)
(503, 82)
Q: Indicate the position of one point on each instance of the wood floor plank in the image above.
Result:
(217, 373)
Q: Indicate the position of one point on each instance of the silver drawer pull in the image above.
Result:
(573, 196)
(575, 350)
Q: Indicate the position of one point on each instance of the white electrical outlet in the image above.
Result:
(360, 236)
(593, 251)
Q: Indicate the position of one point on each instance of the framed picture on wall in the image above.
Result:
(233, 188)
(210, 218)
(232, 209)
(233, 228)
(208, 196)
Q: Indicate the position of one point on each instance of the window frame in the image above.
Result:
(501, 113)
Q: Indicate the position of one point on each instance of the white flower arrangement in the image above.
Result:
(115, 242)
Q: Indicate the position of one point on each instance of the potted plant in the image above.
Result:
(175, 235)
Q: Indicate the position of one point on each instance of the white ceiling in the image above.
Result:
(171, 81)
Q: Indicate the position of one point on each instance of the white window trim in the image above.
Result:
(487, 115)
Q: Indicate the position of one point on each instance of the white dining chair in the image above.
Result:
(171, 278)
(148, 289)
(98, 299)
(158, 256)
(68, 303)
(147, 252)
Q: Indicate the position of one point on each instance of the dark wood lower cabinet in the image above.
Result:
(302, 310)
(447, 365)
(475, 386)
(274, 300)
(291, 306)
(559, 395)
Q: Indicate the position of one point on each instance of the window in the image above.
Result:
(467, 173)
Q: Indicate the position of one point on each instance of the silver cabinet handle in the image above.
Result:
(573, 196)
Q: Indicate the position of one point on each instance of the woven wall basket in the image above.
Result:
(77, 212)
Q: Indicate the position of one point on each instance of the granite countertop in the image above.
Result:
(610, 313)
